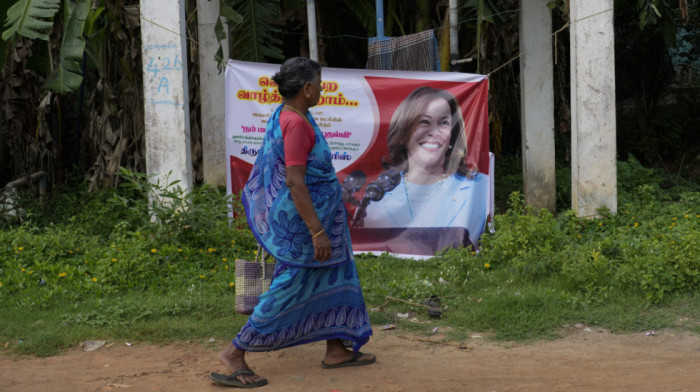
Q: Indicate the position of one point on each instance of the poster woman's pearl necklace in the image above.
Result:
(414, 195)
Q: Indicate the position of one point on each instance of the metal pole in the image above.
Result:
(454, 48)
(380, 19)
(313, 39)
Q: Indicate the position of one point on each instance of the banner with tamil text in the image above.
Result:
(390, 207)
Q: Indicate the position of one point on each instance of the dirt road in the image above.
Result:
(583, 360)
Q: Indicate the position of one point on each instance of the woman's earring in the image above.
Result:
(450, 147)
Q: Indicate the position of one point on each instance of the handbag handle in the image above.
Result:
(263, 255)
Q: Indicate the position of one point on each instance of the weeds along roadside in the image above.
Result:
(92, 265)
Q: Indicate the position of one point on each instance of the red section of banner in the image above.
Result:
(240, 170)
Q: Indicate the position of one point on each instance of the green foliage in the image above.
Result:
(258, 38)
(523, 242)
(30, 18)
(650, 248)
(194, 217)
(67, 76)
(90, 245)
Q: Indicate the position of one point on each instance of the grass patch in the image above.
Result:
(87, 266)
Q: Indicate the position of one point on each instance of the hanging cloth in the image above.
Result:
(414, 52)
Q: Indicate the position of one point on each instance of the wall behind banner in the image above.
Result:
(354, 112)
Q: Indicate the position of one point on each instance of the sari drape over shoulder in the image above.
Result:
(270, 210)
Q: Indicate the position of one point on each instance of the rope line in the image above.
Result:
(321, 35)
(518, 55)
(554, 34)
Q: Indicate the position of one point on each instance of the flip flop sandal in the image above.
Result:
(354, 361)
(433, 304)
(232, 381)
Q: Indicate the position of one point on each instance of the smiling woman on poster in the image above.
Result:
(428, 145)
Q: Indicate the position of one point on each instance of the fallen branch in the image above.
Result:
(462, 346)
(404, 301)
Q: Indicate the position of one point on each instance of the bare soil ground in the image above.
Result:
(582, 360)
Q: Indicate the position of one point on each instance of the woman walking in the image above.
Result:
(294, 206)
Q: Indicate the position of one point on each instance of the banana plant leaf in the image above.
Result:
(257, 38)
(68, 75)
(30, 18)
(4, 45)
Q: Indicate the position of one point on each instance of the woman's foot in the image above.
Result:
(337, 355)
(234, 360)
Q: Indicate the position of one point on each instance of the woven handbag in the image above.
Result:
(252, 280)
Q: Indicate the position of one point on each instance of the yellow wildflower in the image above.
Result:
(179, 250)
(224, 259)
(487, 265)
(113, 260)
(636, 224)
(230, 284)
(210, 250)
(21, 248)
(62, 275)
(94, 279)
(201, 276)
(154, 250)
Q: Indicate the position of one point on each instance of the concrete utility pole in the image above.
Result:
(313, 38)
(593, 127)
(212, 89)
(166, 101)
(537, 104)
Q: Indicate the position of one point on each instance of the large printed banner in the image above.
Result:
(433, 116)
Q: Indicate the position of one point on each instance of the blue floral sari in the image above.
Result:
(308, 300)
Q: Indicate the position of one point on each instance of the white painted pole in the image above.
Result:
(166, 101)
(537, 104)
(212, 91)
(313, 38)
(454, 47)
(593, 127)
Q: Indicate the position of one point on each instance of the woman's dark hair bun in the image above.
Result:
(293, 74)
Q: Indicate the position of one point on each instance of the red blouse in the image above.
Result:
(299, 138)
